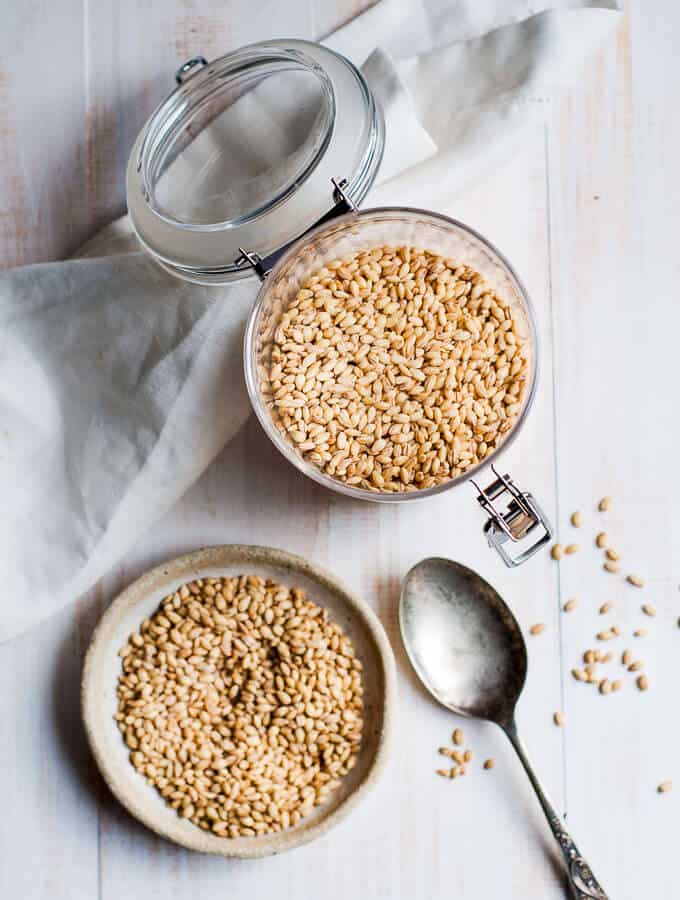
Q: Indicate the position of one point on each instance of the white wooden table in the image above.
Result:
(589, 216)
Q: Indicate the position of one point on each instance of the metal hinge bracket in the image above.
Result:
(343, 203)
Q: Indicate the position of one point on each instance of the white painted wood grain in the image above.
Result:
(49, 836)
(613, 186)
(602, 273)
(43, 208)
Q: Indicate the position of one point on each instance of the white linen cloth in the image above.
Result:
(119, 384)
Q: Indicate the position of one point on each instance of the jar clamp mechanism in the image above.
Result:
(343, 204)
(518, 521)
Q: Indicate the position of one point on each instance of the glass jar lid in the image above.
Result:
(244, 153)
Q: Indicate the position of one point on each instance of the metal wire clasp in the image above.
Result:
(343, 203)
(187, 67)
(522, 516)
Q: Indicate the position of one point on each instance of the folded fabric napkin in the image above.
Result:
(119, 384)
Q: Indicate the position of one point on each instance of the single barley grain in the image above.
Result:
(665, 787)
(576, 519)
(557, 551)
(605, 608)
(558, 718)
(570, 604)
(626, 657)
(612, 554)
(457, 737)
(578, 674)
(606, 635)
(635, 580)
(640, 632)
(601, 540)
(605, 686)
(648, 609)
(604, 504)
(489, 763)
(571, 548)
(538, 628)
(617, 685)
(642, 682)
(636, 666)
(611, 567)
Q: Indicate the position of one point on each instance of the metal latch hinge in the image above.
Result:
(188, 67)
(521, 517)
(343, 203)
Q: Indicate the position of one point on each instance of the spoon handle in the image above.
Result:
(583, 884)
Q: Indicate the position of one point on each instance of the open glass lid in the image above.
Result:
(244, 155)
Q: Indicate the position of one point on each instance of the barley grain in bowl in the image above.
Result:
(241, 703)
(239, 714)
(391, 354)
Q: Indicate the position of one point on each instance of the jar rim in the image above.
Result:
(188, 99)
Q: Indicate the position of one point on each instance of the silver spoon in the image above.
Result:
(468, 651)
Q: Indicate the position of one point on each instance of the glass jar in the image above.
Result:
(255, 165)
(398, 226)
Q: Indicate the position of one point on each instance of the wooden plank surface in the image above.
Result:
(587, 212)
(43, 71)
(613, 187)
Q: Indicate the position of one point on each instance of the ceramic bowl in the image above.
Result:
(140, 599)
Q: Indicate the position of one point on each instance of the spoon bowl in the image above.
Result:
(462, 640)
(468, 651)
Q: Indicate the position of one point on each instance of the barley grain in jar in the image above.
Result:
(395, 369)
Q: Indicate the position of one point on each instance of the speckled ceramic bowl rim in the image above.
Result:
(224, 555)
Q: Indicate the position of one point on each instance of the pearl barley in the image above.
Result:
(241, 703)
(396, 369)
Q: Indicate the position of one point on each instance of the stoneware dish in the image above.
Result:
(140, 599)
